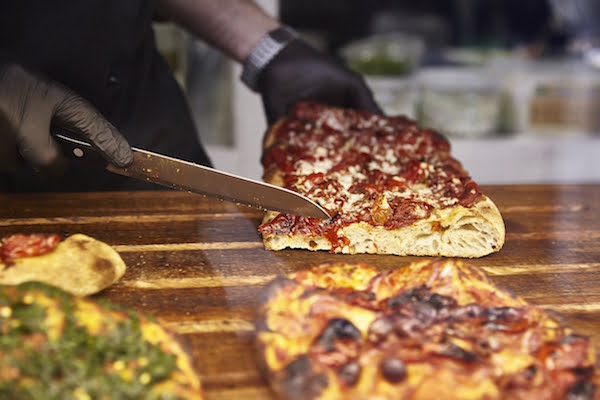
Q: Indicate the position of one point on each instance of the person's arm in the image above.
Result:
(233, 26)
(277, 63)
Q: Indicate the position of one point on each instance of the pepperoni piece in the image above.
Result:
(19, 245)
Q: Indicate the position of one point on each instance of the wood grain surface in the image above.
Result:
(198, 264)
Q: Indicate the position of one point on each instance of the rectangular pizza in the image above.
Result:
(391, 187)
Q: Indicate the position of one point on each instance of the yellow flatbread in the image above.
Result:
(80, 265)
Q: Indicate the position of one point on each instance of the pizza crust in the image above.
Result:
(80, 265)
(451, 232)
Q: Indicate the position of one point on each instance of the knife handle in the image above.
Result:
(74, 147)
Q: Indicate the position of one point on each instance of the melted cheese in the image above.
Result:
(381, 155)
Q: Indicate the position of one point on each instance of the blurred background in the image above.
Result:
(514, 84)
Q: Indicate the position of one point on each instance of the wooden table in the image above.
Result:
(198, 264)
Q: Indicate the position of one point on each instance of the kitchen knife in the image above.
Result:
(187, 176)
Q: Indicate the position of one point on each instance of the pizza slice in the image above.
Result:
(58, 346)
(429, 330)
(79, 264)
(392, 187)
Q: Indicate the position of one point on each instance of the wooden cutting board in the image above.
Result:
(198, 264)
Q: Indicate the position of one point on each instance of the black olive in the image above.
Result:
(300, 381)
(393, 369)
(338, 328)
(350, 373)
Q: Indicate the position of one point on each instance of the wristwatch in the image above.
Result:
(265, 50)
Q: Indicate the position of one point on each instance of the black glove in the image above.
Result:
(300, 72)
(28, 104)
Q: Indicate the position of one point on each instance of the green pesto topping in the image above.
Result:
(118, 364)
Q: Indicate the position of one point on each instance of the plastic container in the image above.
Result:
(565, 99)
(388, 63)
(460, 102)
(394, 54)
(395, 95)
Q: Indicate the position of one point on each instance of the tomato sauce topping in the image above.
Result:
(16, 246)
(360, 166)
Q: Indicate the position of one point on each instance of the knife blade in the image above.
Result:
(187, 176)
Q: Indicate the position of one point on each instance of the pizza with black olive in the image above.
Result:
(391, 187)
(429, 330)
(79, 264)
(57, 346)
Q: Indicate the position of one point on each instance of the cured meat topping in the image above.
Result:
(19, 245)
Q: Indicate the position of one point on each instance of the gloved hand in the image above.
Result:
(28, 104)
(300, 72)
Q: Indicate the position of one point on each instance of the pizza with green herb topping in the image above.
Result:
(57, 346)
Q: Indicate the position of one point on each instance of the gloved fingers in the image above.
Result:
(347, 90)
(34, 141)
(10, 159)
(299, 72)
(72, 111)
(335, 93)
(39, 149)
(24, 122)
(274, 110)
(361, 97)
(301, 86)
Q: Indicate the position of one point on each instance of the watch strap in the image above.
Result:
(263, 52)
